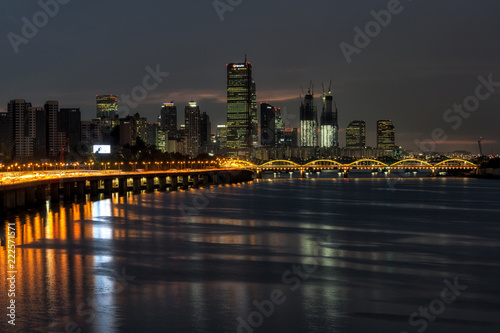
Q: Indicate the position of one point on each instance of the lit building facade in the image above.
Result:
(168, 120)
(107, 106)
(240, 110)
(308, 122)
(254, 117)
(329, 131)
(356, 134)
(192, 122)
(221, 136)
(385, 135)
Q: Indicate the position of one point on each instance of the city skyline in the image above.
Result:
(395, 77)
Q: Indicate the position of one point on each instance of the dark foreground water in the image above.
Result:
(288, 255)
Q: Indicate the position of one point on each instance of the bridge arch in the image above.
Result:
(279, 163)
(361, 161)
(410, 160)
(469, 163)
(314, 163)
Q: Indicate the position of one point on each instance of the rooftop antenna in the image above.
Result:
(245, 57)
(330, 87)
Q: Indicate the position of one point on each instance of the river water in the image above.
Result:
(274, 255)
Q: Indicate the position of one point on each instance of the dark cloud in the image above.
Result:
(427, 59)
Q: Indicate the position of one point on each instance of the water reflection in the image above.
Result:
(136, 263)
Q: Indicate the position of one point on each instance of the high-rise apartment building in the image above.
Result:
(56, 139)
(107, 106)
(308, 122)
(23, 121)
(356, 134)
(241, 109)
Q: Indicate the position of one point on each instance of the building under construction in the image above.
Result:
(329, 134)
(308, 121)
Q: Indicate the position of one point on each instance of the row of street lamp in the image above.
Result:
(147, 166)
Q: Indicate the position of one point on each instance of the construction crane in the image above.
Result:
(480, 149)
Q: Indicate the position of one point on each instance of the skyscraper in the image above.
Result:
(356, 134)
(205, 129)
(70, 122)
(308, 122)
(22, 117)
(41, 133)
(107, 106)
(267, 125)
(192, 121)
(221, 136)
(271, 126)
(168, 120)
(5, 136)
(385, 135)
(240, 112)
(56, 139)
(279, 136)
(329, 123)
(254, 117)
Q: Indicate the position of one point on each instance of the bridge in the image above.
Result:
(362, 164)
(22, 193)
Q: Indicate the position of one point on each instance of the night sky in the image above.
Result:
(426, 59)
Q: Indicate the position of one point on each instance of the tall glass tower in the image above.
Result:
(168, 120)
(241, 110)
(385, 135)
(356, 134)
(192, 121)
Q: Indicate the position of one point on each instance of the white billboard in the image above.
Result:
(102, 149)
